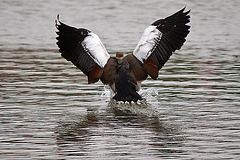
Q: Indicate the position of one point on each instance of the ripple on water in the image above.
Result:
(48, 111)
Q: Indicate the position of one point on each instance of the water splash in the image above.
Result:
(145, 93)
(149, 92)
(107, 92)
(139, 108)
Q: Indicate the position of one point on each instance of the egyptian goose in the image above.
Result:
(124, 74)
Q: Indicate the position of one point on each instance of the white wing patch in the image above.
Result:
(145, 45)
(96, 50)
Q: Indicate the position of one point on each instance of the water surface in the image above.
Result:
(48, 111)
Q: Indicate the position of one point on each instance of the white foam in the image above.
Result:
(107, 92)
(149, 92)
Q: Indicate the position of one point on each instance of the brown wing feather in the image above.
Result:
(151, 68)
(109, 71)
(137, 69)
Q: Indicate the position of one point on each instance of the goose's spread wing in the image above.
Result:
(160, 40)
(83, 48)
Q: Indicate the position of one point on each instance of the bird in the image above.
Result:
(124, 74)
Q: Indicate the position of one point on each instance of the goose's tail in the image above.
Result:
(125, 84)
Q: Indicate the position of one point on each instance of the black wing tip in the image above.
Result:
(183, 9)
(186, 13)
(180, 13)
(57, 21)
(62, 26)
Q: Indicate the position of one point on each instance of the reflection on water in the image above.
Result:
(48, 111)
(113, 133)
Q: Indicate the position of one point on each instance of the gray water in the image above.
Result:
(48, 111)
